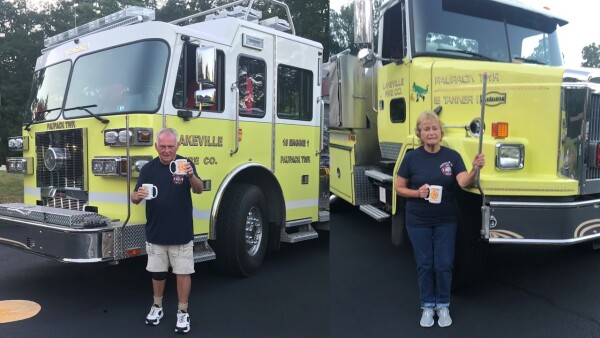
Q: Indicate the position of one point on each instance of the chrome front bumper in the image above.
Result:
(559, 223)
(72, 245)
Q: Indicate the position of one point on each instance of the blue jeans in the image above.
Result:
(434, 252)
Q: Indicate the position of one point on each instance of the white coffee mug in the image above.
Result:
(179, 166)
(151, 189)
(435, 194)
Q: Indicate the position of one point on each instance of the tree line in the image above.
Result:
(23, 29)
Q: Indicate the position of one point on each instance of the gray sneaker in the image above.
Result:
(427, 317)
(444, 318)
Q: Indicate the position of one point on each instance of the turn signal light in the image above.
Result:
(133, 252)
(500, 129)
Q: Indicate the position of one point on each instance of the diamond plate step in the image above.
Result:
(305, 232)
(202, 251)
(378, 214)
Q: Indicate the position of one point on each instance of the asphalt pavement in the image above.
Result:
(287, 297)
(351, 282)
(526, 291)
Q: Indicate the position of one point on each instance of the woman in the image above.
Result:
(431, 225)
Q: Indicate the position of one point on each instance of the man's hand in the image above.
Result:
(139, 195)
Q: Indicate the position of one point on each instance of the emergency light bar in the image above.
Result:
(124, 17)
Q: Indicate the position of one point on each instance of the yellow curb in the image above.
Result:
(14, 310)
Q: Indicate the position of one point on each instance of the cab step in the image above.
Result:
(378, 214)
(303, 231)
(379, 176)
(202, 251)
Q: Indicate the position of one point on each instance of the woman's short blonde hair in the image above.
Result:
(427, 116)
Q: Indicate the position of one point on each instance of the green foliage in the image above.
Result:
(26, 28)
(591, 56)
(12, 188)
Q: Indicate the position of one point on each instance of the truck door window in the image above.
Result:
(251, 84)
(394, 36)
(186, 84)
(124, 79)
(294, 93)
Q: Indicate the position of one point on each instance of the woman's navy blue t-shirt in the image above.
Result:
(420, 167)
(169, 218)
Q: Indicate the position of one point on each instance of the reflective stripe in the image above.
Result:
(32, 191)
(312, 202)
(201, 215)
(108, 197)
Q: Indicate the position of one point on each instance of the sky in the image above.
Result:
(583, 27)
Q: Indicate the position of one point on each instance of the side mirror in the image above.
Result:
(206, 65)
(206, 97)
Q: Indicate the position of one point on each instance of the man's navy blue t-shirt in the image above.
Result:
(420, 167)
(169, 215)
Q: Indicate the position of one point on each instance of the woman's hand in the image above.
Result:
(478, 162)
(423, 190)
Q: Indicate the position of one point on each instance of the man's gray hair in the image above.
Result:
(168, 131)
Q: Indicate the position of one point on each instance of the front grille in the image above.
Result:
(593, 172)
(64, 203)
(67, 172)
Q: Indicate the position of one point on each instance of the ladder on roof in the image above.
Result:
(246, 13)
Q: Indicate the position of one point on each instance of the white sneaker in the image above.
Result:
(444, 318)
(183, 322)
(154, 316)
(427, 317)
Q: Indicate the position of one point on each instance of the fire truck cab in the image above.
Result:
(242, 91)
(493, 72)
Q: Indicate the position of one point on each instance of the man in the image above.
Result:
(169, 225)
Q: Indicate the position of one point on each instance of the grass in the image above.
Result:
(11, 188)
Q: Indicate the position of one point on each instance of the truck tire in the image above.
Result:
(242, 230)
(470, 251)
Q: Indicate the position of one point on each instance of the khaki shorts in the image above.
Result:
(179, 256)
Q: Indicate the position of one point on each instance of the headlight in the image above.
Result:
(110, 137)
(510, 156)
(118, 166)
(123, 136)
(118, 137)
(18, 143)
(19, 165)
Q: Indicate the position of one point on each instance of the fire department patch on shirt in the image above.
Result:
(446, 168)
(177, 179)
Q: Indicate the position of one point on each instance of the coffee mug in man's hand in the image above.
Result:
(151, 189)
(435, 194)
(177, 167)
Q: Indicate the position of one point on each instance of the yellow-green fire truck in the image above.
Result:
(242, 91)
(493, 71)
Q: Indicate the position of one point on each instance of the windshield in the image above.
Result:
(48, 91)
(484, 30)
(125, 79)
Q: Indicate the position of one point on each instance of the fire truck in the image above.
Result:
(243, 92)
(493, 72)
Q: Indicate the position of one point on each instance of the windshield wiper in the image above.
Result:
(526, 60)
(461, 51)
(38, 113)
(85, 109)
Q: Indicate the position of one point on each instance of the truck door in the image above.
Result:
(255, 101)
(297, 128)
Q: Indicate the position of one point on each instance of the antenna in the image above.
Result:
(75, 5)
